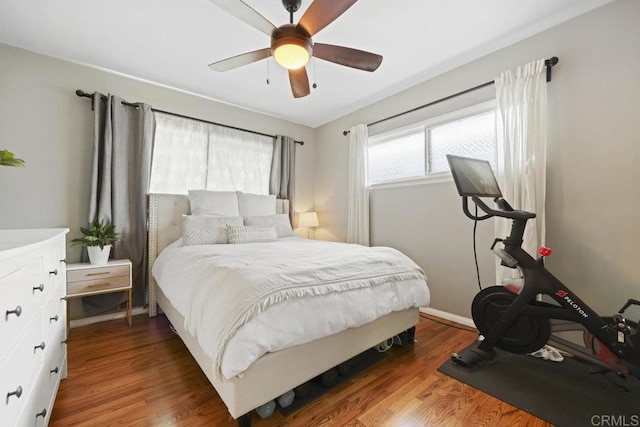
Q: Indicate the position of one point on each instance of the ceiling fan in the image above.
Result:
(291, 44)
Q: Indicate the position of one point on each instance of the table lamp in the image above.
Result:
(308, 220)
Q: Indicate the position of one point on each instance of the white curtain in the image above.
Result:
(239, 160)
(189, 154)
(179, 155)
(358, 219)
(521, 139)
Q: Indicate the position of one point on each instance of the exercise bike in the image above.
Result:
(519, 322)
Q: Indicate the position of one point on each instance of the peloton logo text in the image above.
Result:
(565, 295)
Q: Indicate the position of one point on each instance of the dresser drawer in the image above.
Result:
(98, 273)
(52, 272)
(19, 371)
(35, 412)
(17, 295)
(54, 318)
(52, 372)
(56, 353)
(98, 285)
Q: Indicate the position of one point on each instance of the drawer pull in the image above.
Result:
(98, 285)
(63, 261)
(16, 393)
(17, 312)
(64, 341)
(54, 272)
(41, 347)
(98, 274)
(54, 370)
(39, 288)
(42, 413)
(55, 318)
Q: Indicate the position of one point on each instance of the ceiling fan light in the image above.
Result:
(290, 48)
(291, 55)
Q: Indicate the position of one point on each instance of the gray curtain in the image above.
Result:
(122, 149)
(282, 181)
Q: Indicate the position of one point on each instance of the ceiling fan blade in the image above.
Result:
(240, 60)
(321, 13)
(347, 56)
(299, 82)
(245, 13)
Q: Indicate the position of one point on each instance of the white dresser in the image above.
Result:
(33, 351)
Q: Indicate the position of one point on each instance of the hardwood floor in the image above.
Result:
(145, 376)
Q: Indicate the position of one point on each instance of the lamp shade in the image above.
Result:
(308, 219)
(291, 56)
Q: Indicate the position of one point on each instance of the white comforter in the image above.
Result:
(242, 301)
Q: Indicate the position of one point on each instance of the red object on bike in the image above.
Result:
(544, 251)
(599, 350)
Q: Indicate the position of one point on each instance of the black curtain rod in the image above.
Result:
(548, 63)
(84, 94)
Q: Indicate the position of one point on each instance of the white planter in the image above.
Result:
(98, 256)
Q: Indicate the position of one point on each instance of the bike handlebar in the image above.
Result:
(506, 212)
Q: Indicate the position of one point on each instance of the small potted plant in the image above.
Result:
(98, 239)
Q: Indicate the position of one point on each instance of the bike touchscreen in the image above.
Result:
(473, 177)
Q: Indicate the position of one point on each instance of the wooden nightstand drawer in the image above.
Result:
(97, 273)
(97, 285)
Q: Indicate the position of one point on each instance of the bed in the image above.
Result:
(273, 372)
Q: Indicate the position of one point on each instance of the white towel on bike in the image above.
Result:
(548, 353)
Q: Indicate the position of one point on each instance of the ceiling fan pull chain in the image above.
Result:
(268, 61)
(314, 73)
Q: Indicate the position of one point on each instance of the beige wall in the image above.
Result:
(593, 190)
(593, 173)
(46, 124)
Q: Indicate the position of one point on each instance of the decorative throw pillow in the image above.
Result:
(256, 204)
(251, 234)
(279, 221)
(218, 203)
(206, 230)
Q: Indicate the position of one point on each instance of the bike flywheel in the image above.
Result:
(526, 334)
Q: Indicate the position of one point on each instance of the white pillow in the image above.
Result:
(256, 204)
(219, 203)
(206, 230)
(251, 234)
(280, 222)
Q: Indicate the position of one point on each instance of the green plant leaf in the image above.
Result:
(7, 158)
(99, 233)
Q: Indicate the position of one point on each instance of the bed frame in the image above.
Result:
(274, 373)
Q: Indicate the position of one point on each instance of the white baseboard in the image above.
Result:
(448, 316)
(106, 317)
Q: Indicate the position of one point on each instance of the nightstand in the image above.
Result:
(88, 279)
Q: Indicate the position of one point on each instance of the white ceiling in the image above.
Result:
(171, 42)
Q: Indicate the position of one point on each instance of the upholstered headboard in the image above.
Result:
(165, 227)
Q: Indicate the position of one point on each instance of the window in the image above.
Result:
(189, 154)
(420, 150)
(401, 156)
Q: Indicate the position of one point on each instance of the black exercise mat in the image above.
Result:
(568, 393)
(315, 389)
